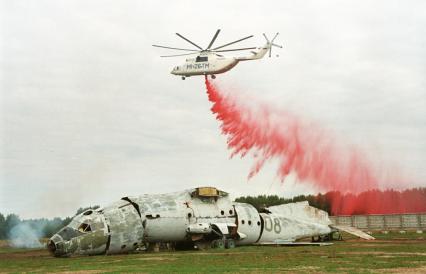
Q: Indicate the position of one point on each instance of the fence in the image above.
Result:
(415, 221)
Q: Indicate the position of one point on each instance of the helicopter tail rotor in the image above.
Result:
(271, 43)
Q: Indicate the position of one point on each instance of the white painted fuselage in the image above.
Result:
(208, 63)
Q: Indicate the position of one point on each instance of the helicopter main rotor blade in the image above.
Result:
(225, 50)
(164, 47)
(214, 38)
(189, 41)
(174, 55)
(233, 42)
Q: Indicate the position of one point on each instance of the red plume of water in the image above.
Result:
(308, 151)
(378, 202)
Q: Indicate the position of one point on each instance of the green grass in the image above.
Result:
(392, 252)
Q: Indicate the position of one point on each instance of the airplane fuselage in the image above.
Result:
(203, 216)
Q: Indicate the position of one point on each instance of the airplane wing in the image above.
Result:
(354, 231)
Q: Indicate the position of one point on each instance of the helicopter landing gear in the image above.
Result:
(213, 76)
(183, 77)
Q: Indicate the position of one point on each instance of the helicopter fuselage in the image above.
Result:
(205, 65)
(211, 64)
(209, 60)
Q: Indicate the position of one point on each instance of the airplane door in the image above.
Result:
(248, 223)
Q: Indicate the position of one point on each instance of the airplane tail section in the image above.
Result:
(301, 211)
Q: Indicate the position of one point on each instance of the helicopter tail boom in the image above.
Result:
(261, 52)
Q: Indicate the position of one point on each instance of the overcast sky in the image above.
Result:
(90, 113)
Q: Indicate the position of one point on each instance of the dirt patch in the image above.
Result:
(393, 240)
(79, 272)
(222, 253)
(35, 253)
(4, 243)
(380, 253)
(406, 270)
(156, 259)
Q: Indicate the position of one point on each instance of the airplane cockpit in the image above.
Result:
(70, 238)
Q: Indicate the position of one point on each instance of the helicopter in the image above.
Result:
(209, 61)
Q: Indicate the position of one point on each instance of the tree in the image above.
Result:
(2, 227)
(11, 221)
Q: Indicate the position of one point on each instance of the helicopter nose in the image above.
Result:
(175, 70)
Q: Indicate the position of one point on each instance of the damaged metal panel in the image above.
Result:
(289, 222)
(125, 227)
(301, 211)
(278, 227)
(165, 229)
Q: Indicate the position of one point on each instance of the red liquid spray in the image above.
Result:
(304, 149)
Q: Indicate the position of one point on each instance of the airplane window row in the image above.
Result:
(249, 222)
(222, 212)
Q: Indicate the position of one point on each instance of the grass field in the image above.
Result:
(391, 253)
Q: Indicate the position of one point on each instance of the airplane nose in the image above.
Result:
(56, 245)
(51, 246)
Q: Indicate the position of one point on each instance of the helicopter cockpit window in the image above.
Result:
(84, 228)
(201, 59)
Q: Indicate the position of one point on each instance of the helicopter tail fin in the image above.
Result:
(271, 43)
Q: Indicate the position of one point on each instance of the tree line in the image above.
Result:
(45, 227)
(375, 201)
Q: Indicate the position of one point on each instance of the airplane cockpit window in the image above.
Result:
(201, 59)
(68, 233)
(84, 228)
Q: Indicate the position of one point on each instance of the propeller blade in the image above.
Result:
(174, 55)
(270, 52)
(225, 50)
(187, 40)
(214, 38)
(164, 47)
(277, 46)
(233, 42)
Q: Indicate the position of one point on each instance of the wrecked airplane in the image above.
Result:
(201, 217)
